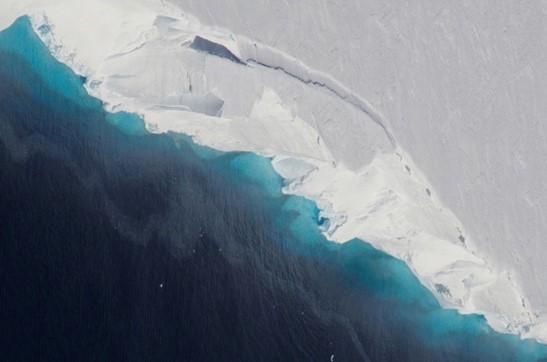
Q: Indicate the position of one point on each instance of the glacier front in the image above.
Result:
(416, 127)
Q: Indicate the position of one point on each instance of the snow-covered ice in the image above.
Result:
(384, 122)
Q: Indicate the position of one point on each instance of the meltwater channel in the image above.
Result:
(117, 244)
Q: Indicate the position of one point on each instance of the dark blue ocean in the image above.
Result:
(119, 245)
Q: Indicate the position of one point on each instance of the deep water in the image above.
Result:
(116, 244)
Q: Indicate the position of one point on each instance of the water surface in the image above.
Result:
(117, 244)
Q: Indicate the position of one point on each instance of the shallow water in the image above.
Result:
(122, 245)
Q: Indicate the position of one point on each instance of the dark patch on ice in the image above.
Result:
(219, 50)
(461, 237)
(408, 169)
(442, 289)
(44, 29)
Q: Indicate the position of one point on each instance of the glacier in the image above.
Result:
(308, 105)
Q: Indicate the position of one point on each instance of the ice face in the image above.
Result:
(286, 107)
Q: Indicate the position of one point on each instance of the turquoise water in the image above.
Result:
(128, 123)
(387, 278)
(379, 281)
(383, 276)
(58, 78)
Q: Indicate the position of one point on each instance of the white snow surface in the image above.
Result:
(449, 86)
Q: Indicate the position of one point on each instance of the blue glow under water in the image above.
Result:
(128, 123)
(61, 80)
(121, 245)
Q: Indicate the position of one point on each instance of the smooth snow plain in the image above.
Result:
(234, 86)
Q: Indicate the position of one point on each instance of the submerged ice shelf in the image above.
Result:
(233, 93)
